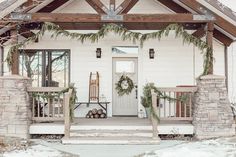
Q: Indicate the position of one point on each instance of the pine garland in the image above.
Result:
(125, 35)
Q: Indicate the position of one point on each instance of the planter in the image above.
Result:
(148, 112)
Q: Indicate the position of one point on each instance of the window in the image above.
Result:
(124, 66)
(125, 50)
(47, 68)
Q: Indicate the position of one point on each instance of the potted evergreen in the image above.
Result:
(146, 99)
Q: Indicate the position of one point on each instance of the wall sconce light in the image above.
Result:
(98, 52)
(151, 53)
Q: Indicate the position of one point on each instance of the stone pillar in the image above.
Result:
(15, 112)
(212, 114)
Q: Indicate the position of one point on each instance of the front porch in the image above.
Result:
(115, 130)
(52, 115)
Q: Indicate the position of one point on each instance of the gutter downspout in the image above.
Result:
(226, 66)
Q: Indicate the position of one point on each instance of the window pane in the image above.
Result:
(125, 66)
(125, 50)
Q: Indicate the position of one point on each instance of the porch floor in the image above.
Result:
(113, 124)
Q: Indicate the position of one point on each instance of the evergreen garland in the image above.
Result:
(146, 99)
(125, 35)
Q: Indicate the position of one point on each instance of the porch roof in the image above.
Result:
(196, 19)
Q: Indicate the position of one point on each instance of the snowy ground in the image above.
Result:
(210, 148)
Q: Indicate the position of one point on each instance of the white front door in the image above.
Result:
(126, 105)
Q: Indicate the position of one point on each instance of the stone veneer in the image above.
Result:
(15, 113)
(212, 114)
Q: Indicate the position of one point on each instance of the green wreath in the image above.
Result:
(124, 86)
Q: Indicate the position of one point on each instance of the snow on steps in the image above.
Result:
(111, 140)
(111, 133)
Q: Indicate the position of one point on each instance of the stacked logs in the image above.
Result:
(94, 113)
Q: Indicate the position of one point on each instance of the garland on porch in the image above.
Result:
(146, 99)
(125, 35)
(124, 86)
(73, 97)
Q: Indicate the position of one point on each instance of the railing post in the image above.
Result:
(67, 114)
(154, 119)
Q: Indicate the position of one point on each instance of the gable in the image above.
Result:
(141, 7)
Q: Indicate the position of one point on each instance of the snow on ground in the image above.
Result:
(208, 148)
(36, 151)
(225, 147)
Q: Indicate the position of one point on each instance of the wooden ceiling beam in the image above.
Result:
(52, 6)
(143, 18)
(173, 6)
(5, 37)
(126, 6)
(112, 4)
(25, 32)
(200, 32)
(130, 26)
(179, 9)
(222, 38)
(221, 22)
(98, 6)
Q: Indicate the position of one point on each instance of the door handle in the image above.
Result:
(136, 91)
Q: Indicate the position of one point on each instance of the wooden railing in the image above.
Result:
(179, 107)
(47, 103)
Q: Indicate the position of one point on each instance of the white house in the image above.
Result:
(173, 64)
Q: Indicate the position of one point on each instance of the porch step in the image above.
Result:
(111, 133)
(111, 140)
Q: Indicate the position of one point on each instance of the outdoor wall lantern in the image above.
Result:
(151, 53)
(99, 52)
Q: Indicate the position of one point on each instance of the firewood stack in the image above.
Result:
(95, 113)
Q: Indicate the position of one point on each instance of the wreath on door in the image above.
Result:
(124, 86)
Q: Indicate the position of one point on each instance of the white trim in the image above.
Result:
(11, 8)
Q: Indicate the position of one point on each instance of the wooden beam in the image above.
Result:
(113, 5)
(52, 6)
(25, 32)
(199, 33)
(15, 55)
(143, 18)
(221, 22)
(173, 6)
(4, 37)
(98, 6)
(222, 38)
(179, 9)
(209, 40)
(126, 6)
(129, 26)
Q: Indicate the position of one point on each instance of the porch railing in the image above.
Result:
(178, 108)
(47, 103)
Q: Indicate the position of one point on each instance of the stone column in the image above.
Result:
(15, 112)
(212, 114)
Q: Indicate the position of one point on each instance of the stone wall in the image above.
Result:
(15, 115)
(212, 114)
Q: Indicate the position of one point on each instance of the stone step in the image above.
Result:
(105, 127)
(111, 140)
(111, 133)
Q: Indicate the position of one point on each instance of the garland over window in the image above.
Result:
(125, 35)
